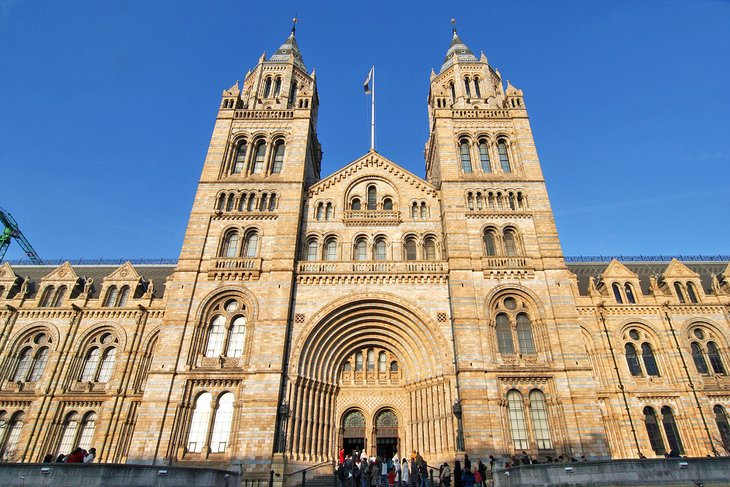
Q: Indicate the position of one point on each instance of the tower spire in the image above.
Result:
(290, 48)
(457, 50)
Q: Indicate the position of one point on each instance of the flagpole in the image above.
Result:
(372, 123)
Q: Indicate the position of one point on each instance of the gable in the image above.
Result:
(125, 272)
(677, 269)
(7, 275)
(616, 270)
(62, 273)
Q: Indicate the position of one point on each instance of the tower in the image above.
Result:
(229, 299)
(515, 322)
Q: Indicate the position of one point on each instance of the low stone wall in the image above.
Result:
(112, 475)
(668, 472)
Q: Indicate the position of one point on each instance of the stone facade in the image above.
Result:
(369, 309)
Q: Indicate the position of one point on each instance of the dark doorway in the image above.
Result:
(387, 447)
(351, 444)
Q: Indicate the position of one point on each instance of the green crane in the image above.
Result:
(11, 231)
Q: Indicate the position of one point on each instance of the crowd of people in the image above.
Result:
(79, 455)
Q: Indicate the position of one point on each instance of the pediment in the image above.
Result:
(617, 270)
(62, 273)
(374, 165)
(726, 273)
(125, 272)
(677, 269)
(7, 274)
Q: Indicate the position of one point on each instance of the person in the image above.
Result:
(422, 473)
(477, 477)
(373, 473)
(482, 472)
(525, 459)
(357, 473)
(341, 472)
(365, 474)
(391, 477)
(342, 456)
(467, 477)
(467, 463)
(445, 475)
(405, 474)
(48, 458)
(76, 456)
(89, 457)
(383, 472)
(61, 458)
(457, 474)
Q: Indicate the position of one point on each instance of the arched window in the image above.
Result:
(387, 204)
(47, 297)
(259, 157)
(382, 363)
(356, 204)
(216, 336)
(517, 425)
(24, 363)
(330, 249)
(477, 92)
(58, 298)
(484, 157)
(68, 434)
(671, 431)
(111, 296)
(490, 242)
(424, 210)
(222, 423)
(358, 361)
(267, 87)
(652, 430)
(372, 198)
(394, 366)
(429, 246)
(227, 330)
(230, 245)
(505, 342)
(39, 364)
(99, 359)
(361, 249)
(470, 201)
(503, 156)
(272, 202)
(293, 92)
(465, 156)
(722, 426)
(123, 296)
(278, 157)
(237, 337)
(230, 202)
(617, 293)
(480, 201)
(320, 211)
(632, 360)
(330, 212)
(680, 293)
(540, 422)
(9, 441)
(467, 87)
(199, 423)
(379, 249)
(90, 365)
(410, 248)
(264, 201)
(691, 293)
(312, 248)
(107, 364)
(277, 86)
(453, 92)
(510, 243)
(240, 161)
(524, 334)
(647, 354)
(699, 359)
(715, 360)
(629, 293)
(251, 202)
(414, 210)
(86, 433)
(250, 246)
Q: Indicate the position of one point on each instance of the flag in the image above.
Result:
(366, 85)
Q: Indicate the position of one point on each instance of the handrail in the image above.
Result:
(311, 468)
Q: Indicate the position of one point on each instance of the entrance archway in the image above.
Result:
(386, 433)
(353, 431)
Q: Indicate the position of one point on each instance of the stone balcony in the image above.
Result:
(234, 268)
(507, 266)
(372, 217)
(373, 267)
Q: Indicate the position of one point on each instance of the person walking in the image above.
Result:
(458, 481)
(405, 474)
(445, 475)
(482, 472)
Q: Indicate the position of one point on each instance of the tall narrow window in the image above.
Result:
(264, 202)
(240, 161)
(467, 87)
(258, 162)
(21, 371)
(470, 201)
(715, 360)
(465, 156)
(293, 92)
(387, 204)
(277, 86)
(424, 210)
(251, 202)
(671, 431)
(371, 360)
(356, 204)
(199, 423)
(58, 298)
(477, 91)
(699, 359)
(312, 250)
(361, 249)
(652, 430)
(107, 365)
(372, 198)
(414, 210)
(88, 425)
(517, 425)
(250, 248)
(617, 293)
(272, 202)
(524, 334)
(90, 366)
(230, 245)
(722, 426)
(320, 212)
(330, 249)
(358, 361)
(237, 337)
(39, 365)
(503, 156)
(510, 246)
(490, 243)
(221, 202)
(278, 157)
(680, 293)
(540, 422)
(216, 336)
(10, 442)
(453, 92)
(691, 293)
(382, 363)
(629, 293)
(484, 157)
(410, 248)
(429, 246)
(380, 249)
(123, 296)
(222, 424)
(647, 354)
(68, 436)
(267, 88)
(632, 360)
(47, 297)
(505, 342)
(329, 212)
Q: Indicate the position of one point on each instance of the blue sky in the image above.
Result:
(107, 107)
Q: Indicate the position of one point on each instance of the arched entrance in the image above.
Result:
(353, 431)
(386, 433)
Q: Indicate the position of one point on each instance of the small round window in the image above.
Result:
(510, 303)
(231, 305)
(40, 338)
(634, 334)
(699, 333)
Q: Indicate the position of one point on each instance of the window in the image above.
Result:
(227, 330)
(372, 198)
(629, 293)
(258, 162)
(516, 415)
(251, 202)
(199, 423)
(503, 156)
(240, 161)
(394, 366)
(237, 337)
(86, 433)
(414, 210)
(312, 248)
(264, 201)
(699, 359)
(277, 86)
(39, 364)
(222, 423)
(267, 88)
(617, 293)
(355, 204)
(680, 293)
(465, 156)
(116, 297)
(358, 361)
(424, 210)
(320, 212)
(99, 359)
(9, 440)
(470, 201)
(715, 360)
(632, 360)
(272, 202)
(58, 298)
(652, 430)
(216, 337)
(330, 212)
(229, 248)
(68, 435)
(123, 297)
(477, 92)
(490, 242)
(691, 293)
(387, 204)
(722, 426)
(647, 355)
(453, 92)
(466, 86)
(410, 248)
(47, 297)
(250, 246)
(293, 92)
(429, 247)
(382, 363)
(107, 364)
(484, 157)
(505, 343)
(524, 334)
(540, 422)
(510, 245)
(380, 249)
(361, 249)
(671, 431)
(90, 365)
(330, 249)
(21, 371)
(278, 157)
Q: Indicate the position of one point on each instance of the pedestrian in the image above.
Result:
(458, 482)
(61, 458)
(89, 458)
(391, 477)
(76, 456)
(467, 463)
(341, 476)
(405, 474)
(445, 475)
(525, 458)
(482, 472)
(342, 456)
(48, 458)
(467, 477)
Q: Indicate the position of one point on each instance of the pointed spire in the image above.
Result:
(290, 48)
(457, 51)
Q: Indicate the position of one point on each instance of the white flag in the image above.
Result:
(366, 85)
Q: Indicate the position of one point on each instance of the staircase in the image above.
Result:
(316, 481)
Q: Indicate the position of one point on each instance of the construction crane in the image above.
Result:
(11, 231)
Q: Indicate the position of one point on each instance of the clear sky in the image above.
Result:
(107, 107)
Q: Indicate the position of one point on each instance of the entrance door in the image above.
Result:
(386, 432)
(387, 447)
(353, 444)
(353, 432)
